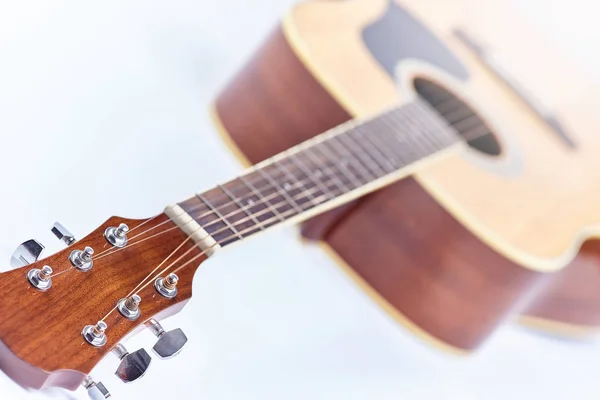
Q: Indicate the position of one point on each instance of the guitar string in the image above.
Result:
(96, 256)
(138, 289)
(470, 134)
(300, 183)
(159, 265)
(112, 247)
(304, 195)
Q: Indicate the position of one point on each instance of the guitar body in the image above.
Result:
(447, 251)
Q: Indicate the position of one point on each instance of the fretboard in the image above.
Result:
(336, 167)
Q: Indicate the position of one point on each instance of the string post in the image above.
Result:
(95, 334)
(41, 279)
(82, 259)
(130, 307)
(167, 287)
(117, 236)
(171, 281)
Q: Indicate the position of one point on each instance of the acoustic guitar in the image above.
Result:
(392, 131)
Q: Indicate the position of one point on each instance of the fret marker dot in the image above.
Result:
(318, 173)
(287, 186)
(250, 202)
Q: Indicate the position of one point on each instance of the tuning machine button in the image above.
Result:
(28, 252)
(63, 234)
(170, 343)
(40, 278)
(96, 390)
(133, 365)
(82, 259)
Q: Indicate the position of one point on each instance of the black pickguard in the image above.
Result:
(398, 35)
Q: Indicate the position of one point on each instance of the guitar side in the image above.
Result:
(409, 253)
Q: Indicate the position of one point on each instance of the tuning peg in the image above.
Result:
(170, 343)
(133, 365)
(63, 234)
(117, 236)
(96, 390)
(28, 252)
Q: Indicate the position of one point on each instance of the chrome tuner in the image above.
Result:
(133, 365)
(82, 259)
(95, 334)
(130, 307)
(170, 343)
(117, 236)
(63, 234)
(167, 287)
(96, 390)
(40, 279)
(28, 252)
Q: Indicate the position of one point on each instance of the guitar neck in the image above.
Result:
(333, 168)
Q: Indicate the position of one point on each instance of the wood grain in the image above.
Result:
(399, 241)
(504, 200)
(40, 332)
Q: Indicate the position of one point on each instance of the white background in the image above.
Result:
(103, 111)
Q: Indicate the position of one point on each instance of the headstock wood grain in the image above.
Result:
(41, 341)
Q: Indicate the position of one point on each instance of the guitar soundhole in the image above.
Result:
(460, 116)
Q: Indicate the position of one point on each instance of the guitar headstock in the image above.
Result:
(57, 323)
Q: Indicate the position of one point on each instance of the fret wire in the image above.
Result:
(221, 217)
(318, 200)
(380, 132)
(225, 240)
(279, 165)
(240, 222)
(298, 162)
(381, 159)
(259, 195)
(353, 178)
(405, 126)
(241, 206)
(337, 181)
(398, 134)
(352, 158)
(347, 152)
(415, 132)
(299, 186)
(283, 192)
(427, 139)
(370, 139)
(405, 151)
(386, 150)
(362, 155)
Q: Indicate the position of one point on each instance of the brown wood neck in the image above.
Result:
(331, 169)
